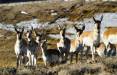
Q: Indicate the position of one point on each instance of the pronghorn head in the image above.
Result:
(62, 30)
(79, 30)
(39, 36)
(110, 46)
(98, 22)
(43, 44)
(19, 33)
(29, 33)
(111, 49)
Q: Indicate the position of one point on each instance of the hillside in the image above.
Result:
(42, 10)
(74, 11)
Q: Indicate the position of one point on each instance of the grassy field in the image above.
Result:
(102, 66)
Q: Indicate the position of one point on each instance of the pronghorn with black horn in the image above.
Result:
(64, 43)
(75, 45)
(109, 38)
(32, 49)
(92, 38)
(20, 47)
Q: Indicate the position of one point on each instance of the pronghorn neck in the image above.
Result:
(62, 33)
(18, 40)
(43, 52)
(37, 40)
(96, 34)
(28, 39)
(62, 37)
(44, 47)
(19, 37)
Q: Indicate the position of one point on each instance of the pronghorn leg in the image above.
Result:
(45, 63)
(87, 51)
(17, 63)
(62, 57)
(66, 55)
(35, 62)
(92, 50)
(81, 55)
(71, 58)
(76, 57)
(32, 60)
(21, 60)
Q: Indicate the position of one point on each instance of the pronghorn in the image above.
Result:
(75, 45)
(20, 47)
(110, 35)
(32, 49)
(111, 50)
(106, 52)
(101, 50)
(64, 44)
(92, 38)
(50, 56)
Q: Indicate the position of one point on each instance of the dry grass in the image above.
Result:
(102, 66)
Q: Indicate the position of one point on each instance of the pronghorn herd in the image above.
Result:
(27, 50)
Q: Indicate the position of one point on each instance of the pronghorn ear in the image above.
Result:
(65, 26)
(83, 28)
(59, 27)
(22, 29)
(101, 18)
(94, 19)
(16, 29)
(32, 28)
(35, 33)
(76, 28)
(109, 43)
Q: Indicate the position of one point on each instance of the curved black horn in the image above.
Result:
(83, 28)
(94, 19)
(22, 29)
(101, 18)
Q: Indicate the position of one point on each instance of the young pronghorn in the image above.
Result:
(75, 45)
(20, 47)
(64, 44)
(50, 56)
(110, 35)
(32, 49)
(92, 38)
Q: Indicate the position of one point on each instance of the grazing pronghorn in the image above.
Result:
(92, 38)
(75, 45)
(50, 56)
(64, 44)
(32, 49)
(110, 35)
(20, 47)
